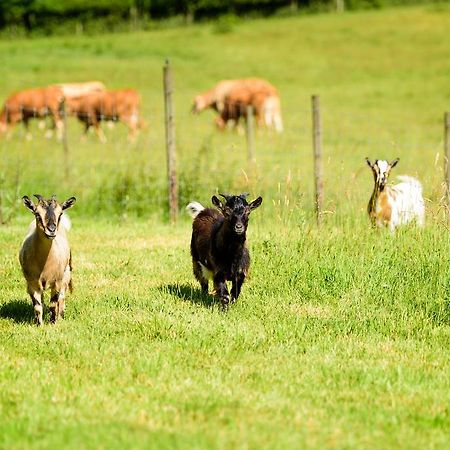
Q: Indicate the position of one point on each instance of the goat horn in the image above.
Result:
(225, 196)
(244, 195)
(39, 197)
(53, 198)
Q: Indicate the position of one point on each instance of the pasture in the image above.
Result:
(341, 336)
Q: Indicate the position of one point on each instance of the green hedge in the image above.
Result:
(31, 15)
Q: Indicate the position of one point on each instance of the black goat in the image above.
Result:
(218, 245)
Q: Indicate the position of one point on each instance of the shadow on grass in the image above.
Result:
(20, 311)
(188, 293)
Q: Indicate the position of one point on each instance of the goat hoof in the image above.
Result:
(225, 303)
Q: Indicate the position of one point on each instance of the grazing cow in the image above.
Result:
(32, 103)
(392, 206)
(218, 244)
(230, 99)
(121, 105)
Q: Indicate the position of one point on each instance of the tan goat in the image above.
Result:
(45, 255)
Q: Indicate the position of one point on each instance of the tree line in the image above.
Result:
(47, 15)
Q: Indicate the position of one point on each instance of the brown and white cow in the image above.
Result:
(32, 103)
(120, 105)
(230, 99)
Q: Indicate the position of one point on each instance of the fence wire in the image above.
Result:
(123, 177)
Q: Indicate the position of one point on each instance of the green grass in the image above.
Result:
(341, 336)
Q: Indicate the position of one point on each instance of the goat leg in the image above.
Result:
(220, 287)
(54, 306)
(36, 298)
(198, 272)
(236, 285)
(61, 304)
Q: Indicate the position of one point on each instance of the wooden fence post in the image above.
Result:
(64, 138)
(170, 143)
(317, 147)
(447, 162)
(250, 134)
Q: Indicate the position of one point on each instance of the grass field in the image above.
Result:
(341, 337)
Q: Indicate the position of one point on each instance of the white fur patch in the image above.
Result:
(207, 274)
(65, 222)
(383, 166)
(194, 208)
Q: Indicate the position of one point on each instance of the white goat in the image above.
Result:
(392, 206)
(45, 255)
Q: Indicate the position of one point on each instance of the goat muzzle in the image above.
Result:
(239, 229)
(49, 234)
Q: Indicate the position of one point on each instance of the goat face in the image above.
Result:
(48, 213)
(236, 211)
(381, 170)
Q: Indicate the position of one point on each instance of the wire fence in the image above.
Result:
(130, 178)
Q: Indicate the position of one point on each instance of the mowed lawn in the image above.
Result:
(341, 336)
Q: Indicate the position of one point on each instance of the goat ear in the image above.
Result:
(225, 196)
(255, 203)
(394, 163)
(28, 203)
(216, 202)
(68, 203)
(40, 198)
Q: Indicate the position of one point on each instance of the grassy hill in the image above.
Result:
(341, 337)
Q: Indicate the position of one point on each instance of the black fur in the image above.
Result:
(219, 244)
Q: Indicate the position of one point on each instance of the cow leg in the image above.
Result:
(48, 125)
(132, 134)
(259, 120)
(220, 287)
(100, 134)
(8, 132)
(96, 124)
(49, 129)
(220, 123)
(26, 124)
(59, 128)
(198, 272)
(236, 285)
(86, 130)
(42, 124)
(36, 298)
(132, 128)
